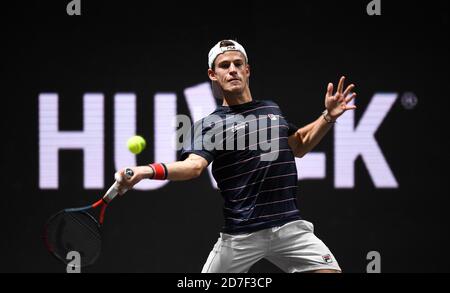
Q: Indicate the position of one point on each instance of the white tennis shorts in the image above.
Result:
(292, 247)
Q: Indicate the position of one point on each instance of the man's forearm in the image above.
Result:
(190, 168)
(183, 170)
(177, 171)
(310, 135)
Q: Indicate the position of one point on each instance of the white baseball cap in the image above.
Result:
(217, 50)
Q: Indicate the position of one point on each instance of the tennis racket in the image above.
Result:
(76, 229)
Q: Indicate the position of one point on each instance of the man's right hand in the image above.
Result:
(125, 184)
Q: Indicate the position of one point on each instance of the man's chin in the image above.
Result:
(234, 90)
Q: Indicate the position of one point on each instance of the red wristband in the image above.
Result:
(159, 171)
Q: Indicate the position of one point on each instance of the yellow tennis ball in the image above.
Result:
(136, 144)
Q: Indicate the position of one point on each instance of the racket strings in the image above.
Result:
(74, 231)
(92, 229)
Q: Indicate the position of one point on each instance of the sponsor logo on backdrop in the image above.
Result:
(352, 139)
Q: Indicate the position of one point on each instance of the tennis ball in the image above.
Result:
(136, 144)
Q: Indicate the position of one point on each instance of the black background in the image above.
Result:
(295, 48)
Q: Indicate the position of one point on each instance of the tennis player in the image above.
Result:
(261, 214)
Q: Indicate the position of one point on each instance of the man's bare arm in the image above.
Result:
(307, 137)
(188, 169)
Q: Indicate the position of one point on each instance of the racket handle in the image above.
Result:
(114, 190)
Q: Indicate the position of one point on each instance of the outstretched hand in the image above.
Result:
(337, 104)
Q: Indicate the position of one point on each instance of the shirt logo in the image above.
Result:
(272, 116)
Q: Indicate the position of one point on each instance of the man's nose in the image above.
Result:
(232, 68)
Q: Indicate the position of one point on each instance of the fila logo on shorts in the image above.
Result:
(327, 258)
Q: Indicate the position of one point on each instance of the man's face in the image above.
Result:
(231, 72)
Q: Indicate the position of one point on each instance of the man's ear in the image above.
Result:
(212, 75)
(247, 71)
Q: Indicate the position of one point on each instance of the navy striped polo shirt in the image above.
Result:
(252, 164)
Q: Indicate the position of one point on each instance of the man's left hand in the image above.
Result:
(337, 104)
